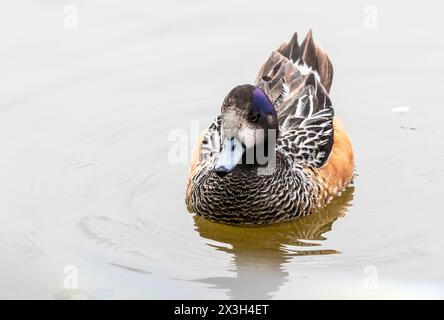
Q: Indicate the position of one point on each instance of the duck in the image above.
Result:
(276, 151)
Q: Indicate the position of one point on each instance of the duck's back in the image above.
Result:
(298, 79)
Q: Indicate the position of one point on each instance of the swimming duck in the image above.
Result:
(276, 152)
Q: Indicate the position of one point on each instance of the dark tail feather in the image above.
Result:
(312, 54)
(291, 50)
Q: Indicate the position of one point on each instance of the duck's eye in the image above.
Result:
(253, 117)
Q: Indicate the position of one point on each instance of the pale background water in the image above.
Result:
(86, 181)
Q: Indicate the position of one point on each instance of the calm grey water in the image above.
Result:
(92, 206)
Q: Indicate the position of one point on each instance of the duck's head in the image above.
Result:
(249, 120)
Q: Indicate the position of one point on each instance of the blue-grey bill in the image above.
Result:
(231, 154)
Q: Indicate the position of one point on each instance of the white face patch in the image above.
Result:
(234, 126)
(231, 123)
(251, 136)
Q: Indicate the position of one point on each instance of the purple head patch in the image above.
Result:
(261, 102)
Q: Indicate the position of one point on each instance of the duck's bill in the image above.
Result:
(229, 157)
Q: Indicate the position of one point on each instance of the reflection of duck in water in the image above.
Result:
(260, 253)
(276, 151)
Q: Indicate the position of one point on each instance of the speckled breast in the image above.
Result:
(248, 196)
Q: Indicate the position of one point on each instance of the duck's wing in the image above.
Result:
(306, 121)
(207, 145)
(211, 142)
(297, 78)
